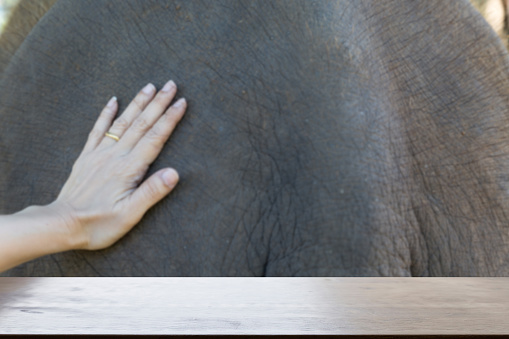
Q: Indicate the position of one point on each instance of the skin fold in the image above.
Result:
(323, 138)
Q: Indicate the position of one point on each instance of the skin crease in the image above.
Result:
(328, 138)
(104, 197)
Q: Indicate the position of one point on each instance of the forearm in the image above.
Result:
(31, 233)
(104, 197)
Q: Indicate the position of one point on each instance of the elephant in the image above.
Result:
(322, 138)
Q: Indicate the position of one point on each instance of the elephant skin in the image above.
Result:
(323, 138)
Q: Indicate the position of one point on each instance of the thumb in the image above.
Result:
(153, 189)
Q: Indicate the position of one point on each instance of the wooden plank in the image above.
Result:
(255, 306)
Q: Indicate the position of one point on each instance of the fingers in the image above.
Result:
(148, 117)
(111, 171)
(132, 111)
(102, 124)
(149, 147)
(152, 190)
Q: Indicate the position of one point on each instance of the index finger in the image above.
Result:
(149, 147)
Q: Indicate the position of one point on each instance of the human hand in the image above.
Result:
(103, 198)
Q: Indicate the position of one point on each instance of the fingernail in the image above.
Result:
(112, 101)
(180, 102)
(170, 177)
(148, 89)
(169, 85)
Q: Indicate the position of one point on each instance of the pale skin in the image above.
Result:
(104, 197)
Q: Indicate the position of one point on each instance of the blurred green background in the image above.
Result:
(5, 7)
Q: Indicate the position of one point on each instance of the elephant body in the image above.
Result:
(322, 138)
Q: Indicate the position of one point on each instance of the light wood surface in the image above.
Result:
(259, 306)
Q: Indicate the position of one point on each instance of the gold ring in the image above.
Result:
(113, 136)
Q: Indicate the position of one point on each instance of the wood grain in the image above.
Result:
(255, 306)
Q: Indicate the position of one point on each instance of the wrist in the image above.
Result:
(37, 231)
(67, 224)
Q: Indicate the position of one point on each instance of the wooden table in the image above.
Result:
(255, 306)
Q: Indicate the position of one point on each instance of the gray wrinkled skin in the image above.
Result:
(323, 138)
